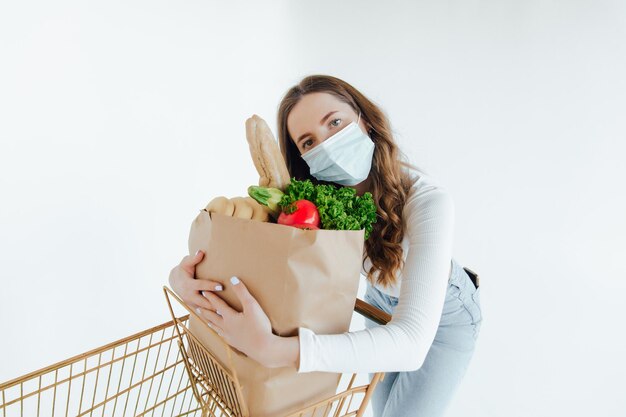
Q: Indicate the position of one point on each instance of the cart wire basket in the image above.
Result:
(161, 371)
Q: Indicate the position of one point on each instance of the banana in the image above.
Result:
(260, 212)
(243, 210)
(241, 207)
(221, 205)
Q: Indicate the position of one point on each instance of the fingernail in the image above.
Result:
(234, 280)
(198, 310)
(218, 288)
(197, 252)
(218, 313)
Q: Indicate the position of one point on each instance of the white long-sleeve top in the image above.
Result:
(401, 344)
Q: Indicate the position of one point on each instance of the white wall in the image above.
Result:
(119, 121)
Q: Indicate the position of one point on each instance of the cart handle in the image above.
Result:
(373, 313)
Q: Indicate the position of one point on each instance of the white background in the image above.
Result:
(119, 120)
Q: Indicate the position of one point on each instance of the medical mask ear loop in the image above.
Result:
(369, 132)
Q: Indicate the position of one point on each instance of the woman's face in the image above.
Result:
(318, 116)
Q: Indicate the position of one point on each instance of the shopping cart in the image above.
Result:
(161, 371)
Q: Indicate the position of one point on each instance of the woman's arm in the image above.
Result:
(283, 351)
(403, 343)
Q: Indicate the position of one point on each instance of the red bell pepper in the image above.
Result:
(304, 215)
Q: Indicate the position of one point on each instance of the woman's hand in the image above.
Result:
(249, 331)
(183, 282)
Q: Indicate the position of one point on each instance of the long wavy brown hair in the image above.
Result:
(390, 185)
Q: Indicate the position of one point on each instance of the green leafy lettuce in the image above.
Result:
(340, 208)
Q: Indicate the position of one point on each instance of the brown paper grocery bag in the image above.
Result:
(301, 278)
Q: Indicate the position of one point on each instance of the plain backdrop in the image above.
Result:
(119, 120)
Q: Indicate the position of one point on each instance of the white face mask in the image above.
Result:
(344, 158)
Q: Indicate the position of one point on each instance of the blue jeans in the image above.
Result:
(427, 391)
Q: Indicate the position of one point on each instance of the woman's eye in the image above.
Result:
(305, 142)
(332, 122)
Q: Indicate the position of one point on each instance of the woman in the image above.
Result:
(427, 346)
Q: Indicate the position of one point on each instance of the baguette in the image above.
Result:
(266, 155)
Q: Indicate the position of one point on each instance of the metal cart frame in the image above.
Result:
(150, 374)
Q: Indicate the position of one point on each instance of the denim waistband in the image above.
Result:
(456, 274)
(458, 277)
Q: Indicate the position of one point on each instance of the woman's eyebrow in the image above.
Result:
(321, 123)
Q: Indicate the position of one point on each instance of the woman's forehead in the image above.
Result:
(311, 108)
